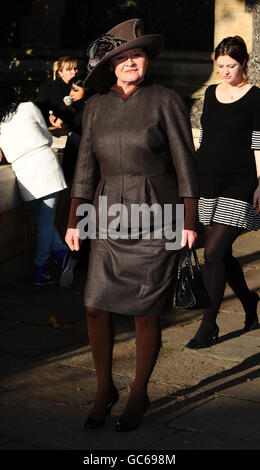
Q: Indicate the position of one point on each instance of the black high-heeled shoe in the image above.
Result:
(251, 320)
(195, 343)
(92, 422)
(123, 425)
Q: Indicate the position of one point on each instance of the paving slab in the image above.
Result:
(223, 416)
(51, 426)
(234, 349)
(10, 363)
(185, 369)
(232, 345)
(187, 441)
(33, 341)
(247, 389)
(173, 367)
(33, 314)
(57, 383)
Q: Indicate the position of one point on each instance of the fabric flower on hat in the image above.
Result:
(99, 48)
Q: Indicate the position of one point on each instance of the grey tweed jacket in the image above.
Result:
(136, 150)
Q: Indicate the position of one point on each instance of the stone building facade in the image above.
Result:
(47, 29)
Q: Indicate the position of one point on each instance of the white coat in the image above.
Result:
(26, 141)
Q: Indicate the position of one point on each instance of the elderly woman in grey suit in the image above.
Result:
(136, 148)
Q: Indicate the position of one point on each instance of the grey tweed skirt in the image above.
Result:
(131, 276)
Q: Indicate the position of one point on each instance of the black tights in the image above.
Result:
(221, 266)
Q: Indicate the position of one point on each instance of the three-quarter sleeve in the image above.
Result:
(191, 213)
(74, 218)
(255, 140)
(201, 134)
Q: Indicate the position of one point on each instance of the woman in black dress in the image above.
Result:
(229, 173)
(75, 102)
(136, 148)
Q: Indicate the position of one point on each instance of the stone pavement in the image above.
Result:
(207, 399)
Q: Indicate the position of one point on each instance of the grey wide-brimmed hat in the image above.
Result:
(124, 36)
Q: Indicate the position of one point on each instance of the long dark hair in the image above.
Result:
(235, 47)
(8, 100)
(79, 80)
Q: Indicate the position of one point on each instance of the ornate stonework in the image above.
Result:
(253, 6)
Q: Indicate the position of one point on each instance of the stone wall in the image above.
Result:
(17, 234)
(253, 6)
(233, 17)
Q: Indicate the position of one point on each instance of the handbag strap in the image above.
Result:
(193, 251)
(185, 255)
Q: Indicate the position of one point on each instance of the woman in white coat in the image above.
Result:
(26, 141)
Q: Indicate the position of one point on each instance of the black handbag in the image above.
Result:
(190, 291)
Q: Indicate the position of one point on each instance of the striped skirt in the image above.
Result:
(228, 211)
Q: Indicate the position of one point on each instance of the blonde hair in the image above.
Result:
(64, 61)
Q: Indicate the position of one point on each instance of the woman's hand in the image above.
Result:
(55, 121)
(256, 200)
(72, 239)
(188, 237)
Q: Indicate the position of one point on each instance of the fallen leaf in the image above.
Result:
(52, 321)
(181, 397)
